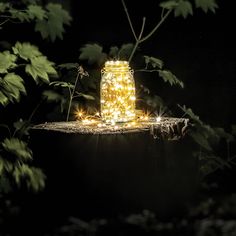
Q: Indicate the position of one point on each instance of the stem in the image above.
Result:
(145, 70)
(129, 20)
(69, 106)
(72, 95)
(34, 111)
(138, 40)
(5, 21)
(156, 27)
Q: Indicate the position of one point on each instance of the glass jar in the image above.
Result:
(117, 92)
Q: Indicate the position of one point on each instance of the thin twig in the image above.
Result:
(138, 40)
(162, 12)
(34, 111)
(156, 27)
(129, 20)
(72, 95)
(145, 70)
(4, 22)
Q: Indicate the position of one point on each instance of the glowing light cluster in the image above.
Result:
(142, 119)
(117, 92)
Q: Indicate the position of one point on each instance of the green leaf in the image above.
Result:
(183, 9)
(69, 66)
(34, 177)
(62, 84)
(206, 5)
(154, 101)
(201, 140)
(53, 26)
(221, 133)
(125, 51)
(20, 15)
(233, 127)
(1, 166)
(169, 4)
(7, 61)
(52, 96)
(114, 52)
(167, 76)
(155, 62)
(191, 114)
(12, 86)
(93, 54)
(3, 6)
(22, 127)
(36, 11)
(5, 186)
(36, 180)
(18, 148)
(86, 96)
(26, 50)
(40, 68)
(3, 98)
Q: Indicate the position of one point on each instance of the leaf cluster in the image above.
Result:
(185, 7)
(15, 168)
(49, 21)
(35, 64)
(208, 138)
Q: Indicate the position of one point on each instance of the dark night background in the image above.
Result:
(199, 50)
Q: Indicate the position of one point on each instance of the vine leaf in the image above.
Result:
(3, 6)
(86, 96)
(22, 127)
(155, 62)
(34, 177)
(191, 114)
(206, 5)
(93, 53)
(52, 96)
(53, 26)
(201, 140)
(168, 76)
(233, 127)
(3, 99)
(169, 4)
(40, 68)
(125, 51)
(69, 66)
(26, 51)
(18, 148)
(113, 51)
(36, 11)
(20, 15)
(7, 61)
(184, 8)
(221, 133)
(62, 84)
(12, 86)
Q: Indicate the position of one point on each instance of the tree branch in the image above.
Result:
(138, 40)
(156, 27)
(129, 20)
(4, 22)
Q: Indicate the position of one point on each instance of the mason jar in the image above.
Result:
(117, 92)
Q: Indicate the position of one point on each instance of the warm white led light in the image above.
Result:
(117, 92)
